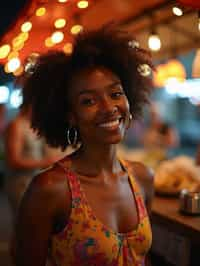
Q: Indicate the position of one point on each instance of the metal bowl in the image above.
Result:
(190, 202)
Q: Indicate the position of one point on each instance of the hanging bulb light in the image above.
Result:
(199, 20)
(177, 10)
(154, 41)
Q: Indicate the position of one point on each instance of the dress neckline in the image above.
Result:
(135, 193)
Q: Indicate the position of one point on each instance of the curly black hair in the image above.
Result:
(46, 89)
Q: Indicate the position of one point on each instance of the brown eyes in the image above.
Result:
(88, 102)
(91, 101)
(118, 94)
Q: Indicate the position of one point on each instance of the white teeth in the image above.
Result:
(110, 124)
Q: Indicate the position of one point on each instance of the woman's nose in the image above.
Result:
(107, 105)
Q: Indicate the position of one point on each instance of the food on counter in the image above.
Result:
(171, 176)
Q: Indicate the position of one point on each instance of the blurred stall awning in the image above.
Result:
(33, 26)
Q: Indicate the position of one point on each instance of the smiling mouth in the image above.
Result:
(111, 125)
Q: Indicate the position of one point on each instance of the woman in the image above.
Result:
(25, 154)
(88, 209)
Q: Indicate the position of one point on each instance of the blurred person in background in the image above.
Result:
(25, 155)
(159, 134)
(3, 123)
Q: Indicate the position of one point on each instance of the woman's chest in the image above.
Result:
(114, 205)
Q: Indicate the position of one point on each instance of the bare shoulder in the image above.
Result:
(145, 178)
(141, 172)
(48, 189)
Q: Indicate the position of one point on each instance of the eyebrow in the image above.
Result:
(91, 91)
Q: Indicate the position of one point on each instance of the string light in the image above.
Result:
(18, 47)
(48, 42)
(60, 23)
(27, 26)
(13, 64)
(19, 71)
(62, 1)
(13, 54)
(82, 4)
(68, 48)
(6, 68)
(76, 29)
(23, 36)
(4, 51)
(40, 11)
(57, 37)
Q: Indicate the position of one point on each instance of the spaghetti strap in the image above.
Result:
(72, 180)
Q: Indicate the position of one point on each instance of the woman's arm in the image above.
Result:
(42, 202)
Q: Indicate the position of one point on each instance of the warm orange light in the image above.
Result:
(60, 23)
(76, 29)
(68, 48)
(173, 69)
(13, 54)
(6, 68)
(62, 1)
(4, 51)
(176, 70)
(82, 4)
(48, 42)
(23, 36)
(19, 71)
(160, 75)
(18, 47)
(27, 26)
(16, 42)
(40, 11)
(57, 37)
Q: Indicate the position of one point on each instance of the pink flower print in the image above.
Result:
(114, 248)
(85, 226)
(140, 238)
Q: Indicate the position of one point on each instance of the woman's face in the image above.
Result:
(100, 109)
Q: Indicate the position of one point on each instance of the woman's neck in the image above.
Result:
(96, 160)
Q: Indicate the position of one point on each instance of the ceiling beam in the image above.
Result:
(147, 12)
(188, 34)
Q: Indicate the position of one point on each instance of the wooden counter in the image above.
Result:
(166, 211)
(176, 237)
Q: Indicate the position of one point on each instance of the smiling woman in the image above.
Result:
(91, 203)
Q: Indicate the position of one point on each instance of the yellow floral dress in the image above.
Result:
(86, 241)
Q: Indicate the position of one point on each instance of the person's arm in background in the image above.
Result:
(172, 139)
(14, 143)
